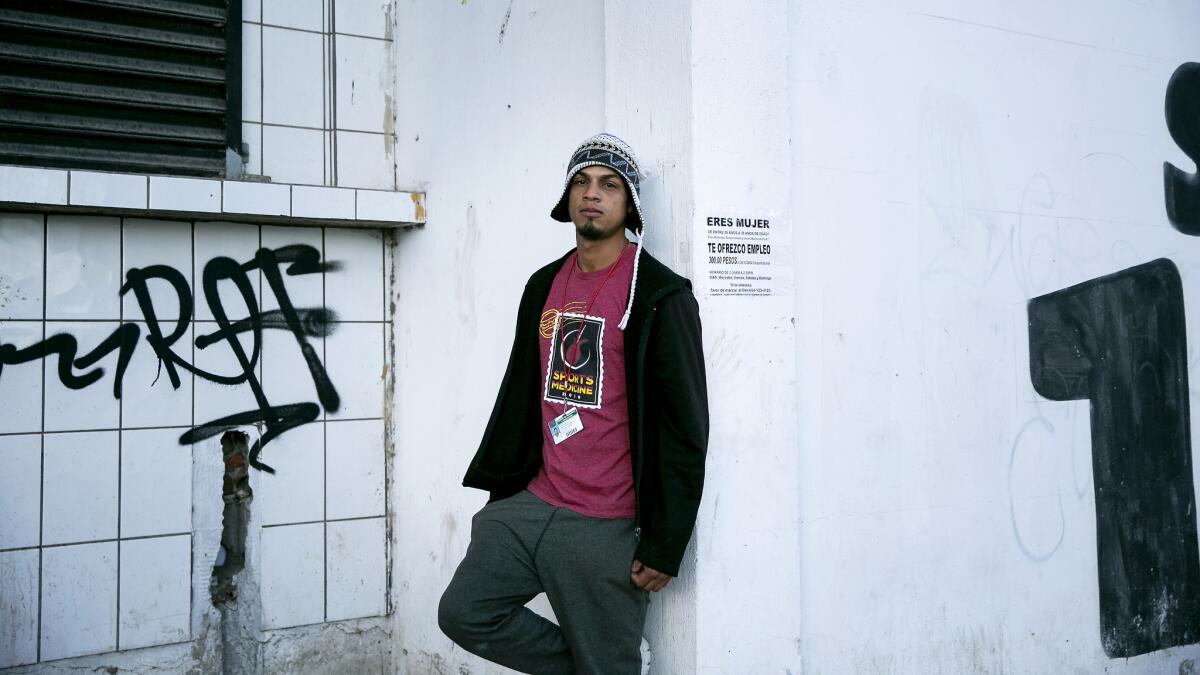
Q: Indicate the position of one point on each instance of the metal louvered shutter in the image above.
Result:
(143, 86)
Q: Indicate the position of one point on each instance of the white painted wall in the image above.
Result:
(873, 505)
(950, 162)
(496, 96)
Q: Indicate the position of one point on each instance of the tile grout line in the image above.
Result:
(339, 420)
(173, 317)
(388, 338)
(325, 173)
(262, 98)
(110, 540)
(324, 451)
(121, 421)
(276, 26)
(42, 470)
(332, 84)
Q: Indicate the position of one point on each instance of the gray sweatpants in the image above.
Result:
(522, 546)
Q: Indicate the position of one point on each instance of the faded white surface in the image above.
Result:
(951, 161)
(494, 103)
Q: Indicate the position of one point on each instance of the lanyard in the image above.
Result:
(562, 321)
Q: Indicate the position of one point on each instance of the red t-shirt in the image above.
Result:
(589, 472)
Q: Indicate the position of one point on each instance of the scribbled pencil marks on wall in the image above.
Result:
(1119, 341)
(302, 323)
(1182, 189)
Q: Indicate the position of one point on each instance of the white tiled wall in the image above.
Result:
(155, 599)
(79, 288)
(316, 80)
(20, 497)
(19, 598)
(79, 600)
(21, 240)
(95, 538)
(80, 487)
(21, 386)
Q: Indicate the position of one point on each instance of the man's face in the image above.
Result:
(597, 203)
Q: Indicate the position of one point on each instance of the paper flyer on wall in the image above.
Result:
(745, 255)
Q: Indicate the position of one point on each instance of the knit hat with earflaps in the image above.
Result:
(608, 150)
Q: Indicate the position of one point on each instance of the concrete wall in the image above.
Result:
(887, 490)
(951, 162)
(496, 96)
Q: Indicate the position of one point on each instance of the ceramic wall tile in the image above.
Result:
(83, 267)
(156, 483)
(322, 202)
(79, 600)
(292, 155)
(170, 193)
(252, 10)
(293, 87)
(147, 243)
(112, 190)
(32, 185)
(286, 376)
(293, 575)
(156, 586)
(21, 384)
(237, 241)
(20, 491)
(251, 72)
(354, 359)
(295, 492)
(252, 137)
(262, 199)
(149, 398)
(94, 406)
(19, 598)
(79, 487)
(22, 259)
(370, 19)
(363, 101)
(301, 14)
(354, 460)
(216, 399)
(306, 291)
(354, 290)
(356, 567)
(365, 160)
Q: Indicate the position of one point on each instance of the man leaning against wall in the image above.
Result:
(594, 453)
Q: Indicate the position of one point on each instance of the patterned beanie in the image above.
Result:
(604, 150)
(608, 150)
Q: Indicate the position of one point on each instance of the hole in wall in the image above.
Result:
(236, 493)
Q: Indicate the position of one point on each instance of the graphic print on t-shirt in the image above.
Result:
(575, 374)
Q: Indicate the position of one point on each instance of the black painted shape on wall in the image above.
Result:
(1182, 189)
(1120, 342)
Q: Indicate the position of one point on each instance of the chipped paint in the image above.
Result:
(418, 200)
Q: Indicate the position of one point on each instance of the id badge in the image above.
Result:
(565, 426)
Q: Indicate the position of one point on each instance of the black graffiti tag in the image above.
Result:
(302, 323)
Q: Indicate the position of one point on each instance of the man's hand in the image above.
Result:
(648, 578)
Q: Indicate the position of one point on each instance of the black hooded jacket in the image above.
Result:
(668, 409)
